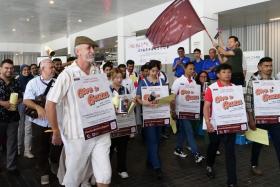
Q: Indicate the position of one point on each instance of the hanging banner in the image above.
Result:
(188, 102)
(228, 109)
(158, 116)
(267, 101)
(97, 112)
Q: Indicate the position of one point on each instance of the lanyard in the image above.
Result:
(160, 82)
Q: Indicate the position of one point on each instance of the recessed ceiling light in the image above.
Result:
(43, 36)
(274, 19)
(16, 54)
(27, 19)
(51, 2)
(80, 21)
(14, 30)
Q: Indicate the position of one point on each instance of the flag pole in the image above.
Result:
(209, 35)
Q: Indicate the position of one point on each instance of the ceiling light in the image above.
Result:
(16, 54)
(27, 19)
(43, 36)
(274, 19)
(51, 2)
(80, 21)
(14, 30)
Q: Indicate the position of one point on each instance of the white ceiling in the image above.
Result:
(37, 21)
(250, 15)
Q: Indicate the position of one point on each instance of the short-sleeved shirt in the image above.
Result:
(236, 61)
(198, 65)
(122, 90)
(64, 93)
(179, 71)
(178, 83)
(209, 63)
(146, 82)
(34, 88)
(5, 92)
(208, 94)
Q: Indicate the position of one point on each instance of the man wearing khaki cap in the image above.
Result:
(78, 151)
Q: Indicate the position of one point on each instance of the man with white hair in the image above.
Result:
(40, 139)
(78, 151)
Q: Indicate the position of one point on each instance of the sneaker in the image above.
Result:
(210, 172)
(45, 179)
(180, 153)
(189, 148)
(28, 154)
(158, 173)
(198, 158)
(218, 153)
(123, 175)
(256, 171)
(86, 184)
(232, 185)
(164, 136)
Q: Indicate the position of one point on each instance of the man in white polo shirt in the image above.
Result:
(41, 144)
(78, 151)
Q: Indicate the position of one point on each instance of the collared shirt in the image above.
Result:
(183, 80)
(179, 71)
(198, 65)
(163, 76)
(34, 88)
(122, 90)
(63, 92)
(146, 82)
(129, 85)
(210, 63)
(249, 98)
(5, 92)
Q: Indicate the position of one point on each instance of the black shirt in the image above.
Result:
(5, 92)
(236, 61)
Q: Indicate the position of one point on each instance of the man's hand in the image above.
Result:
(41, 112)
(6, 104)
(56, 139)
(215, 44)
(210, 127)
(252, 125)
(178, 62)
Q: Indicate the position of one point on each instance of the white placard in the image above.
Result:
(228, 109)
(159, 115)
(140, 49)
(267, 101)
(252, 59)
(188, 102)
(95, 105)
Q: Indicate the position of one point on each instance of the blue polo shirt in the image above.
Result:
(198, 65)
(208, 63)
(179, 71)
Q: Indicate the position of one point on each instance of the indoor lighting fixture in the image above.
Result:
(14, 30)
(274, 19)
(27, 19)
(43, 36)
(51, 2)
(80, 21)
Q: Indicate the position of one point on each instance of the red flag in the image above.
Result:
(176, 23)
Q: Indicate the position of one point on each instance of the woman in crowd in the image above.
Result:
(119, 143)
(152, 133)
(24, 129)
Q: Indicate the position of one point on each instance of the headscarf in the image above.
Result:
(23, 80)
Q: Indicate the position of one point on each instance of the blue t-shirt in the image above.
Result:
(179, 71)
(198, 65)
(143, 83)
(208, 63)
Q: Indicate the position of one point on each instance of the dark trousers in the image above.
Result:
(152, 140)
(229, 143)
(238, 79)
(41, 143)
(274, 131)
(120, 143)
(10, 130)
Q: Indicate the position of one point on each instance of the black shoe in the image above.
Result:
(158, 173)
(232, 185)
(210, 172)
(13, 172)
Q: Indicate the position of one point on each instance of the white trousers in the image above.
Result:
(80, 152)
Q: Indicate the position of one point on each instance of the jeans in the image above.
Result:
(21, 110)
(229, 143)
(10, 130)
(185, 131)
(274, 131)
(152, 139)
(120, 143)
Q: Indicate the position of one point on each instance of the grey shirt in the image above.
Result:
(236, 61)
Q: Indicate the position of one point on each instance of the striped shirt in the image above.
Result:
(64, 92)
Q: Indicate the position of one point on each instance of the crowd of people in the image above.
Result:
(47, 125)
